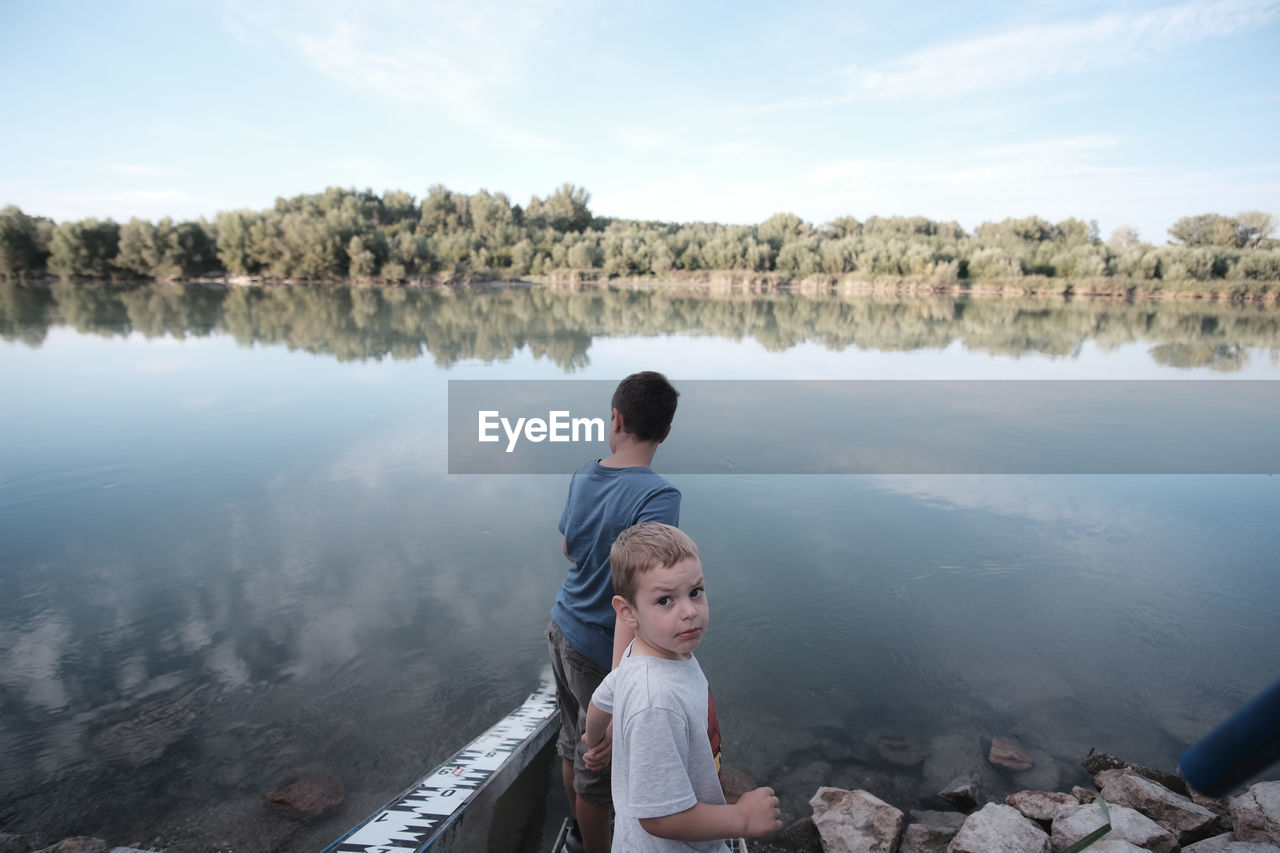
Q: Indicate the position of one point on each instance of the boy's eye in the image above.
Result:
(664, 601)
(697, 592)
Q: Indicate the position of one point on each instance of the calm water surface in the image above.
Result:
(229, 548)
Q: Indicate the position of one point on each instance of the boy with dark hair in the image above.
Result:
(666, 791)
(606, 496)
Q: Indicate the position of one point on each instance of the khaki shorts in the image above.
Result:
(576, 680)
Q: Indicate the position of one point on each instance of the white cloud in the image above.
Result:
(1034, 52)
(1041, 51)
(460, 59)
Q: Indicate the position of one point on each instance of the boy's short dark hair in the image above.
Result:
(646, 546)
(647, 402)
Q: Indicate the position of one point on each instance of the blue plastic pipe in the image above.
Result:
(1246, 744)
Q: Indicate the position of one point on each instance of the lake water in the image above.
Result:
(230, 547)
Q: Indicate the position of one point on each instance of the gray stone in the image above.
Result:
(1008, 754)
(1096, 762)
(1075, 822)
(1176, 813)
(800, 836)
(78, 844)
(796, 785)
(890, 787)
(1114, 845)
(1213, 804)
(855, 822)
(1040, 805)
(901, 752)
(10, 843)
(316, 791)
(930, 831)
(1228, 843)
(1046, 775)
(964, 793)
(1084, 795)
(1255, 814)
(141, 734)
(950, 756)
(996, 828)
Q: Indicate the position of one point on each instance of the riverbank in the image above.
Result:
(737, 281)
(1128, 809)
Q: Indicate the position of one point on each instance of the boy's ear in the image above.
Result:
(625, 611)
(615, 421)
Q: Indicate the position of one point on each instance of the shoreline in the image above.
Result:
(735, 282)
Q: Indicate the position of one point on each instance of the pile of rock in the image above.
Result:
(1144, 814)
(10, 843)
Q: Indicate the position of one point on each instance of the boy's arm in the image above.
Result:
(755, 814)
(597, 725)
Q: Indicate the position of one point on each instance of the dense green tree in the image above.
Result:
(1207, 229)
(342, 233)
(85, 248)
(165, 250)
(564, 210)
(20, 253)
(1255, 227)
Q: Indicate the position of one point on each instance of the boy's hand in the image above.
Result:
(759, 809)
(598, 757)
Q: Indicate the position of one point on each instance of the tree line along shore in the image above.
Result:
(360, 236)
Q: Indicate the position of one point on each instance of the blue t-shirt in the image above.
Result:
(602, 503)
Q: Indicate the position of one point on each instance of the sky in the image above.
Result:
(1134, 113)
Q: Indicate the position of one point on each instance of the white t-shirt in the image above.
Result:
(662, 762)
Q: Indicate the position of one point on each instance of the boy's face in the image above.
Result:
(670, 613)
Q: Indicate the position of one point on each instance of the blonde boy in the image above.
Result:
(666, 792)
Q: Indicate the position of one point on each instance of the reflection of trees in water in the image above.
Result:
(365, 323)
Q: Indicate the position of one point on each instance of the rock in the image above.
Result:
(964, 793)
(1228, 843)
(1213, 804)
(142, 734)
(1075, 822)
(892, 788)
(317, 791)
(1006, 754)
(735, 783)
(1044, 775)
(78, 844)
(1114, 845)
(1084, 795)
(1176, 813)
(901, 752)
(1096, 762)
(1040, 805)
(951, 756)
(800, 836)
(1255, 814)
(930, 831)
(795, 787)
(20, 843)
(855, 822)
(999, 829)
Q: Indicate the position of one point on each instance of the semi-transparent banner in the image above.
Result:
(883, 427)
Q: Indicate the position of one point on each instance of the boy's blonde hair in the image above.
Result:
(643, 547)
